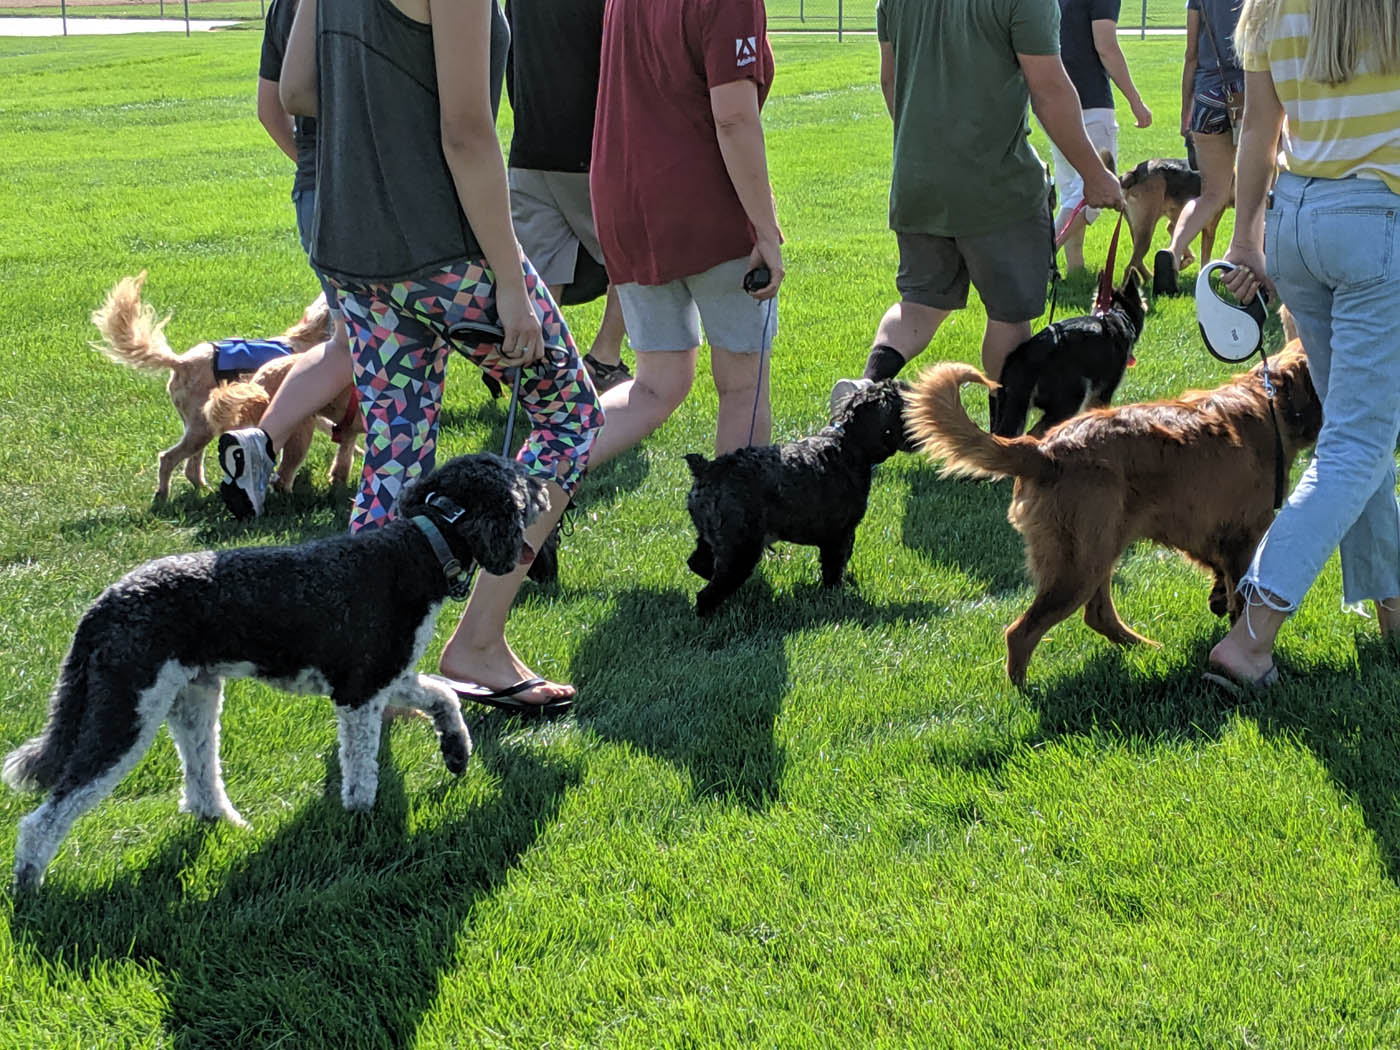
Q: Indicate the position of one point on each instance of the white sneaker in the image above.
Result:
(247, 460)
(844, 388)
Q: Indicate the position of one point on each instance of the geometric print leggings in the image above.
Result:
(401, 336)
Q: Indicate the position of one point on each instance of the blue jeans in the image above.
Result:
(305, 203)
(1330, 247)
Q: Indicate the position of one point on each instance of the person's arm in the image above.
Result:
(1056, 105)
(887, 75)
(298, 89)
(276, 120)
(1105, 32)
(1188, 69)
(1254, 174)
(739, 129)
(462, 52)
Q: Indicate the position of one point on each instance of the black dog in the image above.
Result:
(1070, 366)
(349, 616)
(811, 491)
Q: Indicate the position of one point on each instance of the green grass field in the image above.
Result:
(820, 820)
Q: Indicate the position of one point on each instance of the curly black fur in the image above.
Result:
(349, 616)
(811, 491)
(1070, 366)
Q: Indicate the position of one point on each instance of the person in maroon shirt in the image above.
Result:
(679, 182)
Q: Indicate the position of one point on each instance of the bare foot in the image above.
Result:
(1246, 668)
(499, 668)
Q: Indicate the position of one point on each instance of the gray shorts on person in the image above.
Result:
(305, 203)
(553, 216)
(1010, 269)
(671, 316)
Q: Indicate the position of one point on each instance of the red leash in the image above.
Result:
(1105, 297)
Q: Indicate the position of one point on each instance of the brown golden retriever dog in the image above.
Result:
(233, 405)
(132, 336)
(1195, 473)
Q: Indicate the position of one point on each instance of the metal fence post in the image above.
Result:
(802, 10)
(63, 9)
(1143, 34)
(840, 20)
(187, 17)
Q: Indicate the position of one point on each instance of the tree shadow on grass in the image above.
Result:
(962, 523)
(334, 932)
(1346, 713)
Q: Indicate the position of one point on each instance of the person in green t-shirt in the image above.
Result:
(969, 200)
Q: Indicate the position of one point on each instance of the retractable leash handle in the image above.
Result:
(1232, 332)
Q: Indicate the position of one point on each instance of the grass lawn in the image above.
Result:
(820, 820)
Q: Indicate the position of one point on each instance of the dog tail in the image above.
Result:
(233, 405)
(945, 431)
(314, 326)
(37, 764)
(131, 335)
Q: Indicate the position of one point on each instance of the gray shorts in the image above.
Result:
(305, 203)
(670, 316)
(553, 215)
(1010, 269)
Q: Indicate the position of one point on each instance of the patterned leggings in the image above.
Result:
(400, 335)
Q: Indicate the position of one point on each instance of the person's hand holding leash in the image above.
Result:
(1101, 189)
(523, 342)
(768, 253)
(1249, 275)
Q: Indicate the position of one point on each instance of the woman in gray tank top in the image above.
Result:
(413, 226)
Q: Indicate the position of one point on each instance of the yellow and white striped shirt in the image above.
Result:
(1332, 130)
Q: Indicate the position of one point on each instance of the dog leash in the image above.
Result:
(1104, 299)
(1280, 475)
(1055, 262)
(758, 386)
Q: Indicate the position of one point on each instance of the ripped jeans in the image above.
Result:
(1330, 246)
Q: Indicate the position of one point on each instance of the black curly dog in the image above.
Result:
(348, 616)
(811, 491)
(1069, 366)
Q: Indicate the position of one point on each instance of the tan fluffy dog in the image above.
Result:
(243, 404)
(132, 336)
(1195, 473)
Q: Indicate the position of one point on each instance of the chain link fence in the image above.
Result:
(832, 16)
(842, 16)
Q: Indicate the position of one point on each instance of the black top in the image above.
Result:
(274, 46)
(552, 79)
(1078, 53)
(386, 206)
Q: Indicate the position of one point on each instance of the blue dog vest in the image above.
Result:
(235, 356)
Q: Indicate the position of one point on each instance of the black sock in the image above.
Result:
(993, 409)
(884, 362)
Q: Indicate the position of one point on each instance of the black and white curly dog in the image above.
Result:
(156, 646)
(811, 491)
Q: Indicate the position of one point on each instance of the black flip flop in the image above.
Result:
(507, 699)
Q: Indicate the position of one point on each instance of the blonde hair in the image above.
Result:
(1342, 32)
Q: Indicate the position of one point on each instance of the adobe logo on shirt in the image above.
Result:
(745, 50)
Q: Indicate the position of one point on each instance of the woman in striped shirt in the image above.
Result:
(1327, 74)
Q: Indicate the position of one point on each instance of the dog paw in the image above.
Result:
(456, 751)
(27, 879)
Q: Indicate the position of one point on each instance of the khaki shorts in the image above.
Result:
(670, 316)
(1010, 269)
(1102, 130)
(553, 217)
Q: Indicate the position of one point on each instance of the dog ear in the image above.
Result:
(697, 464)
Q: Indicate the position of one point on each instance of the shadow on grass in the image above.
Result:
(962, 523)
(704, 694)
(333, 932)
(1346, 713)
